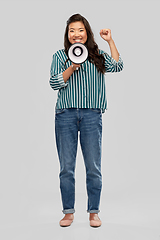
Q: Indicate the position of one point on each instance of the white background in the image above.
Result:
(31, 31)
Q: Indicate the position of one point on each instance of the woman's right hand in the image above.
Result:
(75, 66)
(69, 71)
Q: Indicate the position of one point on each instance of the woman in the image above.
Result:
(80, 104)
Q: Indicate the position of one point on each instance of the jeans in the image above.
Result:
(88, 122)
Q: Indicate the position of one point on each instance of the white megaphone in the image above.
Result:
(78, 53)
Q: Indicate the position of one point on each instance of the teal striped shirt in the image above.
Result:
(86, 87)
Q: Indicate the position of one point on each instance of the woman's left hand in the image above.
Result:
(106, 34)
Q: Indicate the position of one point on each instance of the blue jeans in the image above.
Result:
(67, 124)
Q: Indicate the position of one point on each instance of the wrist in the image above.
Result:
(110, 42)
(72, 67)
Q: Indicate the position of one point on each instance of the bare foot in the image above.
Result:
(67, 220)
(95, 220)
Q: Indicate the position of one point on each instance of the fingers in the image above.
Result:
(105, 31)
(75, 66)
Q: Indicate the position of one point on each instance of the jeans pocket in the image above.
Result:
(59, 111)
(98, 110)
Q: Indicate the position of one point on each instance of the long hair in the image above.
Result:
(93, 52)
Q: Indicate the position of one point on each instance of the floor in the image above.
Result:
(125, 218)
(79, 230)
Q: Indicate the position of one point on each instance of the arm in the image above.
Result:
(69, 71)
(114, 51)
(59, 77)
(106, 35)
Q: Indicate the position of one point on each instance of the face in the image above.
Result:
(77, 33)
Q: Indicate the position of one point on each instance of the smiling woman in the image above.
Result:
(77, 33)
(80, 104)
(78, 29)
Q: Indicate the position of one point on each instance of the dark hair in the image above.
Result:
(93, 52)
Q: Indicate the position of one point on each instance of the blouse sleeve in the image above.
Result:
(56, 74)
(111, 65)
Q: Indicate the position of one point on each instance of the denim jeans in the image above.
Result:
(88, 122)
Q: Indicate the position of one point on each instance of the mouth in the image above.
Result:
(77, 40)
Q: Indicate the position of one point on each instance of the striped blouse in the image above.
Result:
(86, 87)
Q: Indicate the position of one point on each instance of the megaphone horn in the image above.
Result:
(78, 53)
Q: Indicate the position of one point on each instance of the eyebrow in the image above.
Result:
(74, 28)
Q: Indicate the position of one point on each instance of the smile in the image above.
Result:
(77, 40)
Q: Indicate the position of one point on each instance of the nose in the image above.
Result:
(76, 33)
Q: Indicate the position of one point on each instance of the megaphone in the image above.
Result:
(78, 53)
